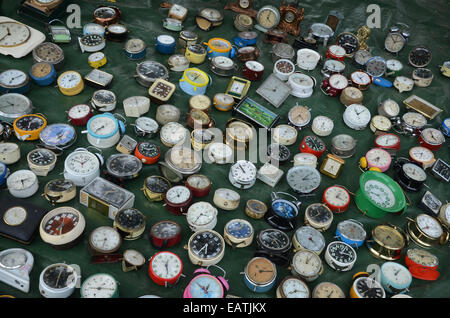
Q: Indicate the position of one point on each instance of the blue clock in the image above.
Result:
(351, 232)
(206, 286)
(246, 38)
(58, 136)
(381, 81)
(43, 74)
(395, 278)
(445, 127)
(165, 44)
(14, 81)
(283, 213)
(239, 228)
(4, 172)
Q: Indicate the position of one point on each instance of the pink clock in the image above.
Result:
(206, 285)
(378, 158)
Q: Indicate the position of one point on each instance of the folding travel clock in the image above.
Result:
(256, 113)
(106, 197)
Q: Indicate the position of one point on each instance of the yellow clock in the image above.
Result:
(195, 53)
(28, 127)
(70, 83)
(97, 59)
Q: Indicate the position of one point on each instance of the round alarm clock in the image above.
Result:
(103, 130)
(194, 81)
(206, 285)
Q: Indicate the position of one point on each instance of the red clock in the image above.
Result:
(178, 199)
(165, 234)
(165, 268)
(253, 70)
(199, 184)
(336, 198)
(422, 264)
(389, 142)
(334, 85)
(431, 138)
(147, 152)
(336, 52)
(80, 114)
(313, 145)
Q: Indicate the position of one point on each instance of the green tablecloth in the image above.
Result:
(428, 21)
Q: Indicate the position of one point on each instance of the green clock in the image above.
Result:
(378, 194)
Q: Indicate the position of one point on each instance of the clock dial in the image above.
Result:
(341, 252)
(378, 157)
(99, 286)
(133, 257)
(211, 14)
(130, 219)
(15, 216)
(58, 135)
(13, 34)
(414, 172)
(267, 18)
(93, 28)
(337, 196)
(105, 239)
(42, 157)
(314, 143)
(240, 131)
(81, 162)
(178, 194)
(433, 136)
(206, 244)
(421, 154)
(243, 171)
(334, 66)
(274, 239)
(30, 122)
(388, 236)
(394, 42)
(166, 265)
(352, 230)
(299, 115)
(362, 56)
(420, 56)
(173, 132)
(201, 213)
(429, 225)
(306, 263)
(104, 12)
(103, 125)
(349, 42)
(396, 273)
(422, 257)
(61, 223)
(369, 288)
(40, 70)
(165, 230)
(305, 159)
(49, 52)
(294, 288)
(310, 238)
(149, 149)
(278, 152)
(157, 184)
(328, 290)
(361, 78)
(219, 151)
(153, 70)
(123, 165)
(60, 185)
(79, 111)
(13, 259)
(206, 286)
(284, 66)
(69, 80)
(198, 181)
(379, 193)
(303, 179)
(21, 180)
(260, 270)
(376, 66)
(394, 65)
(59, 276)
(338, 81)
(414, 119)
(13, 105)
(12, 78)
(284, 209)
(240, 229)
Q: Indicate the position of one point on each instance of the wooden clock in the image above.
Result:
(291, 16)
(242, 6)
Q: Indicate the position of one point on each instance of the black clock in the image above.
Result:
(123, 166)
(130, 223)
(278, 153)
(441, 170)
(349, 42)
(206, 245)
(410, 176)
(315, 143)
(275, 245)
(149, 149)
(157, 184)
(420, 56)
(42, 157)
(430, 204)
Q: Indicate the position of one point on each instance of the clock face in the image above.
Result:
(334, 66)
(394, 65)
(299, 115)
(328, 290)
(206, 244)
(396, 273)
(394, 42)
(30, 123)
(105, 239)
(414, 172)
(304, 158)
(314, 143)
(95, 57)
(237, 87)
(422, 257)
(268, 18)
(420, 56)
(240, 229)
(157, 184)
(166, 265)
(59, 276)
(429, 225)
(196, 48)
(12, 78)
(388, 236)
(376, 66)
(227, 194)
(243, 171)
(134, 257)
(103, 125)
(178, 195)
(211, 14)
(362, 56)
(379, 193)
(220, 151)
(136, 46)
(295, 288)
(81, 163)
(206, 286)
(391, 107)
(274, 90)
(278, 152)
(93, 28)
(99, 77)
(40, 70)
(323, 125)
(92, 40)
(337, 50)
(104, 12)
(153, 70)
(21, 180)
(319, 214)
(104, 97)
(42, 157)
(60, 185)
(254, 66)
(99, 286)
(165, 39)
(433, 136)
(358, 115)
(184, 158)
(240, 131)
(343, 142)
(303, 179)
(302, 80)
(337, 196)
(79, 111)
(117, 28)
(69, 79)
(338, 81)
(130, 219)
(284, 66)
(13, 34)
(361, 78)
(197, 77)
(13, 105)
(165, 230)
(274, 239)
(352, 230)
(349, 42)
(173, 132)
(146, 124)
(13, 259)
(260, 270)
(58, 135)
(284, 208)
(307, 263)
(341, 252)
(49, 52)
(15, 216)
(414, 119)
(201, 213)
(61, 223)
(198, 181)
(244, 4)
(203, 136)
(421, 154)
(310, 238)
(123, 165)
(378, 157)
(108, 192)
(368, 288)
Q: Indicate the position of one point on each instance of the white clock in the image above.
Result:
(15, 268)
(284, 135)
(9, 153)
(322, 126)
(136, 106)
(305, 159)
(357, 116)
(22, 184)
(219, 153)
(81, 166)
(242, 174)
(173, 133)
(307, 59)
(302, 85)
(103, 131)
(59, 280)
(201, 216)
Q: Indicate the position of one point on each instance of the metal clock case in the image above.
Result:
(123, 167)
(275, 245)
(293, 287)
(59, 280)
(283, 213)
(343, 146)
(91, 43)
(100, 285)
(62, 227)
(106, 197)
(409, 175)
(238, 233)
(59, 191)
(378, 195)
(242, 174)
(268, 18)
(387, 242)
(307, 265)
(206, 248)
(427, 231)
(50, 53)
(148, 71)
(274, 90)
(13, 105)
(135, 49)
(319, 216)
(420, 56)
(22, 183)
(155, 188)
(256, 113)
(321, 32)
(15, 267)
(255, 209)
(183, 161)
(103, 100)
(208, 18)
(130, 223)
(327, 290)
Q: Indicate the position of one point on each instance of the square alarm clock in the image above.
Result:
(270, 174)
(106, 197)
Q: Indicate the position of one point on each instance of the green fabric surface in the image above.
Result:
(428, 21)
